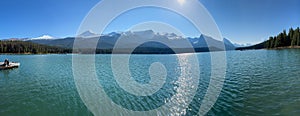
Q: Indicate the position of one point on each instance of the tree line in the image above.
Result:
(23, 47)
(292, 38)
(283, 39)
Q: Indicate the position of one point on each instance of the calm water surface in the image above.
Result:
(262, 82)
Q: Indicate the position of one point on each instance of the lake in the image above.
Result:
(257, 82)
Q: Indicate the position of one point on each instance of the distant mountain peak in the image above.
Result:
(43, 37)
(242, 45)
(142, 34)
(225, 39)
(88, 33)
(145, 32)
(112, 33)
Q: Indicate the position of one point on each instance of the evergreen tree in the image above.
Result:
(273, 42)
(294, 39)
(290, 35)
(278, 41)
(297, 37)
(286, 41)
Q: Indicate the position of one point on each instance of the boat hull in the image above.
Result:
(11, 66)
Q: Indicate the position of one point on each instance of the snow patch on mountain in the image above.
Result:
(43, 37)
(242, 45)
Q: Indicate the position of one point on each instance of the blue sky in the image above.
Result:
(241, 21)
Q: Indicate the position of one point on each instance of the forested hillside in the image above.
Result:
(283, 39)
(24, 47)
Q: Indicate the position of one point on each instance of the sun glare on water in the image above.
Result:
(181, 2)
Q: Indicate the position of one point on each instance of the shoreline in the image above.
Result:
(286, 47)
(31, 53)
(278, 48)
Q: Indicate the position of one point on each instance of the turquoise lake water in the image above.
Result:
(257, 82)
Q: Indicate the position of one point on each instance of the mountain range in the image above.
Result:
(129, 39)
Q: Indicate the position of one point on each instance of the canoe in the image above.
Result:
(11, 65)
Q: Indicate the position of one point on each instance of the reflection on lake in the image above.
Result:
(262, 82)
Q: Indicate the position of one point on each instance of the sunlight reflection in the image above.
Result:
(188, 83)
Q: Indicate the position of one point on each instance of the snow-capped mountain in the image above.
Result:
(45, 37)
(242, 45)
(112, 34)
(88, 34)
(129, 39)
(171, 35)
(228, 44)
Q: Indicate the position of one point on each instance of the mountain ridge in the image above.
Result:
(107, 41)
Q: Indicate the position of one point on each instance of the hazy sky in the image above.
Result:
(241, 21)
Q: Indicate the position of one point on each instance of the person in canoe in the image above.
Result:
(6, 62)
